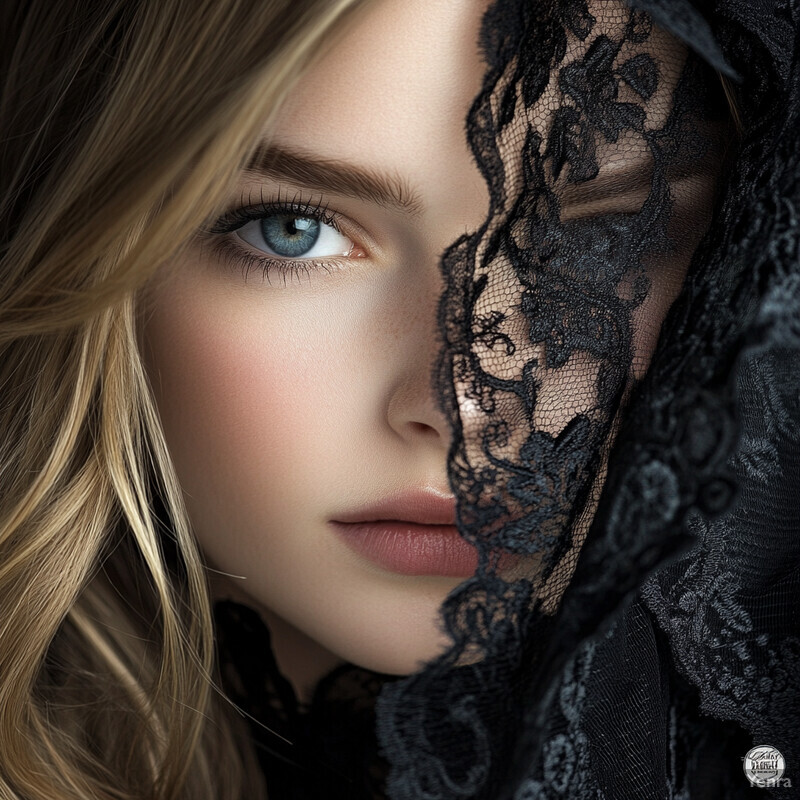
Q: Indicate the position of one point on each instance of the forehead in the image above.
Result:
(393, 91)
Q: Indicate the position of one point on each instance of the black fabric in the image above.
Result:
(649, 636)
(672, 647)
(325, 749)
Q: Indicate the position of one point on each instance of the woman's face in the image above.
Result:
(290, 400)
(291, 358)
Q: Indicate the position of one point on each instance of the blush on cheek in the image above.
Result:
(241, 396)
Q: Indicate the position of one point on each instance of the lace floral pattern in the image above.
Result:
(636, 453)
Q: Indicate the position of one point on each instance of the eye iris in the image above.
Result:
(290, 235)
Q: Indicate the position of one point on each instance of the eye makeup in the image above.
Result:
(295, 226)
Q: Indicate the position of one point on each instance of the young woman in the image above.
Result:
(307, 389)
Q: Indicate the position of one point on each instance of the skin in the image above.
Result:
(283, 405)
(287, 402)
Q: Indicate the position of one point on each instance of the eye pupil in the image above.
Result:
(289, 235)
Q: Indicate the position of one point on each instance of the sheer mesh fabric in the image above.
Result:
(622, 376)
(620, 363)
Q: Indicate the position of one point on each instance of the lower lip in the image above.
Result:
(411, 549)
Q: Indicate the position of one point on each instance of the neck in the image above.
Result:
(301, 659)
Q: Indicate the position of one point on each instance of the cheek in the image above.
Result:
(251, 398)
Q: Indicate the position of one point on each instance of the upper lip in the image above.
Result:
(424, 506)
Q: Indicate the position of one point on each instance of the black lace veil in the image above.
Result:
(620, 363)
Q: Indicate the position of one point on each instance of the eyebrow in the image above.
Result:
(334, 176)
(609, 185)
(625, 181)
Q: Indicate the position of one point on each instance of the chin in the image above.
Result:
(395, 638)
(396, 661)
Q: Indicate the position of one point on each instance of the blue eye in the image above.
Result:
(288, 235)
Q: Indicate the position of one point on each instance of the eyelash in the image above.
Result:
(235, 255)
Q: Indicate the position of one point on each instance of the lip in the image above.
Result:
(411, 532)
(410, 549)
(426, 506)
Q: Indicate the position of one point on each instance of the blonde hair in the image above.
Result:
(123, 126)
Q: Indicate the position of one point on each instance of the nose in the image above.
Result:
(414, 411)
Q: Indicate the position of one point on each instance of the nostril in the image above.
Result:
(424, 429)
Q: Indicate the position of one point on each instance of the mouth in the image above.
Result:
(412, 532)
(410, 548)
